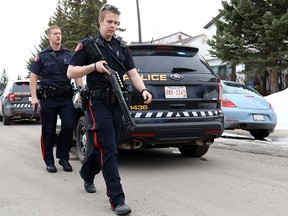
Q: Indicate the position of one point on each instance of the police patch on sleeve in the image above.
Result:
(36, 58)
(79, 47)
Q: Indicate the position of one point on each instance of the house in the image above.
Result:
(199, 41)
(223, 70)
(180, 38)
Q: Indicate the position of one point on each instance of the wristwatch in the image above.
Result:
(145, 89)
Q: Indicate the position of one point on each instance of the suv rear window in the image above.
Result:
(21, 87)
(173, 59)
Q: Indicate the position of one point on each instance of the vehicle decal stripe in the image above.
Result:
(148, 115)
(138, 115)
(174, 114)
(194, 114)
(28, 105)
(159, 114)
(169, 114)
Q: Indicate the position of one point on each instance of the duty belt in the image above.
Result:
(52, 92)
(107, 95)
(97, 94)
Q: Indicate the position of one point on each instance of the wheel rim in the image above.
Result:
(83, 141)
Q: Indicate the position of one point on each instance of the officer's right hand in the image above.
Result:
(101, 68)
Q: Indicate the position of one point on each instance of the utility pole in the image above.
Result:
(139, 22)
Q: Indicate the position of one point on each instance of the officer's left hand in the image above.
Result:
(147, 97)
(35, 101)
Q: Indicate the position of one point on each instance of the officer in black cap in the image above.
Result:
(103, 112)
(54, 96)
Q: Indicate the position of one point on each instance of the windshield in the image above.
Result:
(21, 87)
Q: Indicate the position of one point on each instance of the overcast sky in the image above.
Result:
(23, 22)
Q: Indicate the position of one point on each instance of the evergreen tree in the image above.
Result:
(255, 33)
(76, 18)
(3, 80)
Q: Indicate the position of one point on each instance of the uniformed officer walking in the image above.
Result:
(54, 96)
(104, 113)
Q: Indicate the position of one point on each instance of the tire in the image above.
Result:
(82, 142)
(259, 134)
(6, 119)
(193, 150)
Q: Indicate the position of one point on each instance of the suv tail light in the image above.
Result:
(11, 97)
(219, 91)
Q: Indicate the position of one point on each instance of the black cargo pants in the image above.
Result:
(49, 109)
(104, 124)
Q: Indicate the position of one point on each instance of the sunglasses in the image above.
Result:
(107, 7)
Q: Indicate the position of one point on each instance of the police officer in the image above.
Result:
(104, 115)
(54, 98)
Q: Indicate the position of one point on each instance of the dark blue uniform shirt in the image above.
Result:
(97, 80)
(52, 66)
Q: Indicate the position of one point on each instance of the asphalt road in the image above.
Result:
(159, 182)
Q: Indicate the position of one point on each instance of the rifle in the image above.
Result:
(115, 81)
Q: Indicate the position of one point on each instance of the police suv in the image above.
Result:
(185, 111)
(15, 102)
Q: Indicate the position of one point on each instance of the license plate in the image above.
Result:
(258, 117)
(175, 92)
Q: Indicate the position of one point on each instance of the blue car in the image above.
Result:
(246, 109)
